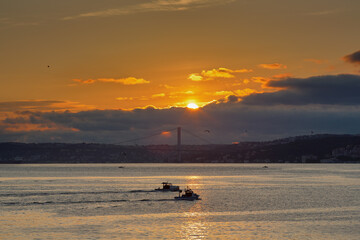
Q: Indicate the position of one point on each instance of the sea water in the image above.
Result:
(238, 201)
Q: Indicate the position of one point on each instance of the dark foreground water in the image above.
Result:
(239, 201)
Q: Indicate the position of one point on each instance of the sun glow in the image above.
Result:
(192, 106)
(166, 134)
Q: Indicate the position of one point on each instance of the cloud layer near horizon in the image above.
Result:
(323, 104)
(353, 57)
(329, 89)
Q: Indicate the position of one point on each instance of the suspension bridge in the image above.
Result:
(179, 147)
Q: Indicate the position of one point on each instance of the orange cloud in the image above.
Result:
(124, 98)
(158, 95)
(239, 92)
(273, 66)
(216, 73)
(166, 86)
(260, 79)
(124, 81)
(283, 75)
(89, 81)
(142, 98)
(246, 91)
(195, 77)
(223, 72)
(42, 105)
(28, 127)
(223, 93)
(246, 81)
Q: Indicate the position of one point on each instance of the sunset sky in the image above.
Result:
(113, 70)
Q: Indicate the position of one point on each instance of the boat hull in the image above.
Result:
(166, 190)
(188, 198)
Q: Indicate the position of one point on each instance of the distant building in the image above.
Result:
(348, 151)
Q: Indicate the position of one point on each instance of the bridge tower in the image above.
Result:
(179, 143)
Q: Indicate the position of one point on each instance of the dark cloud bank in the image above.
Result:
(353, 58)
(330, 90)
(322, 104)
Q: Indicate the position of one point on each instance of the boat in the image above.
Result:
(168, 187)
(189, 195)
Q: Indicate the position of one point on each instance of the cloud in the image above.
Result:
(329, 90)
(25, 104)
(222, 72)
(246, 81)
(227, 70)
(166, 86)
(238, 93)
(353, 57)
(281, 76)
(124, 81)
(141, 98)
(15, 23)
(195, 77)
(245, 92)
(227, 121)
(124, 98)
(223, 93)
(158, 95)
(151, 6)
(217, 73)
(36, 128)
(89, 81)
(41, 105)
(273, 66)
(323, 104)
(262, 80)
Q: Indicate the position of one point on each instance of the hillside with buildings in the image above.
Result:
(302, 149)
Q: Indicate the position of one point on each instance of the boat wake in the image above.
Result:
(28, 194)
(142, 191)
(80, 202)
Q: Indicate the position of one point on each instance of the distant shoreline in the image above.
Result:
(324, 148)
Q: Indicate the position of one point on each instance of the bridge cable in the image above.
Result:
(149, 136)
(194, 135)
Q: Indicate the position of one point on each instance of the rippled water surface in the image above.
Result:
(239, 201)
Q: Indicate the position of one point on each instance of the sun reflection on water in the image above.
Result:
(195, 224)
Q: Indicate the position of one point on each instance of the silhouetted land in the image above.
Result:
(324, 148)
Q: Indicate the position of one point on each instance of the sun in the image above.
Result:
(192, 106)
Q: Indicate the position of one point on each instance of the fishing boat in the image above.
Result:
(168, 187)
(189, 195)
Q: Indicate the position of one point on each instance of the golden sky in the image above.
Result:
(105, 55)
